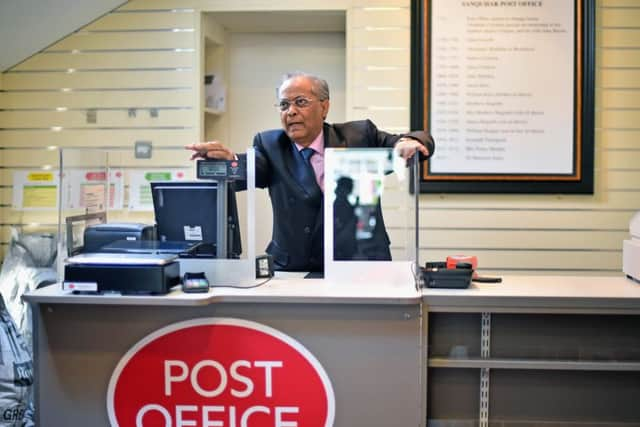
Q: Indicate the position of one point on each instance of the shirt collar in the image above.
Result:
(317, 144)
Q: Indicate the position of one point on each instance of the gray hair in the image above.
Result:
(319, 86)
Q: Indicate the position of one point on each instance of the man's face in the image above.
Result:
(303, 120)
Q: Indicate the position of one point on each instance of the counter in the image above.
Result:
(366, 338)
(533, 350)
(520, 351)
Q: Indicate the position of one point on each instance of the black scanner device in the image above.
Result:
(437, 275)
(99, 235)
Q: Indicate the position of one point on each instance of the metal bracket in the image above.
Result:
(485, 353)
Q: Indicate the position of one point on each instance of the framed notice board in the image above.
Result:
(506, 88)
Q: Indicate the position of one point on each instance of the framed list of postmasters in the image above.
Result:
(506, 88)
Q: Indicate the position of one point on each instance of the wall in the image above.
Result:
(548, 234)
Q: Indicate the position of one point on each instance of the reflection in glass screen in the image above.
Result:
(359, 231)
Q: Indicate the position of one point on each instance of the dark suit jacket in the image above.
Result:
(297, 238)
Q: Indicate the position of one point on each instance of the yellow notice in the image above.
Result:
(40, 176)
(39, 196)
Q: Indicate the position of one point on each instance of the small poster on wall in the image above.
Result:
(140, 189)
(35, 189)
(85, 188)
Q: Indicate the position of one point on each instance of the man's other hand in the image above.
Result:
(210, 150)
(406, 147)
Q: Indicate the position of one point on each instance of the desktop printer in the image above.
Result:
(631, 250)
(153, 274)
(98, 235)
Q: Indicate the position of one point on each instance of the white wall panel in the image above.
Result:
(618, 138)
(118, 40)
(381, 57)
(373, 18)
(472, 240)
(618, 58)
(618, 16)
(105, 118)
(385, 38)
(363, 95)
(544, 261)
(107, 60)
(619, 38)
(116, 98)
(170, 78)
(97, 138)
(175, 157)
(618, 78)
(143, 21)
(617, 99)
(397, 78)
(629, 201)
(519, 220)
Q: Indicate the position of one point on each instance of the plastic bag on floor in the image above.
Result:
(16, 375)
(29, 262)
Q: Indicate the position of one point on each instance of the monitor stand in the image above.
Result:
(314, 275)
(203, 250)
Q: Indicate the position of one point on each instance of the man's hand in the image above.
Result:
(406, 147)
(210, 150)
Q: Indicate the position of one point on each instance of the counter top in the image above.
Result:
(535, 294)
(283, 288)
(541, 294)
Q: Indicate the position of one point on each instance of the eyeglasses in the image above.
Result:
(299, 102)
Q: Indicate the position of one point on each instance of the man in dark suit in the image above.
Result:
(290, 163)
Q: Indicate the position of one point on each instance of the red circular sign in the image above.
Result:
(219, 372)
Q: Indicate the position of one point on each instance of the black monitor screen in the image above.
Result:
(187, 211)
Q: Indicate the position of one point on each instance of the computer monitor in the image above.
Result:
(198, 211)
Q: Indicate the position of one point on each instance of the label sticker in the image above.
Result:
(192, 233)
(80, 286)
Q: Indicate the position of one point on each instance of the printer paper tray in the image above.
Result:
(122, 259)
